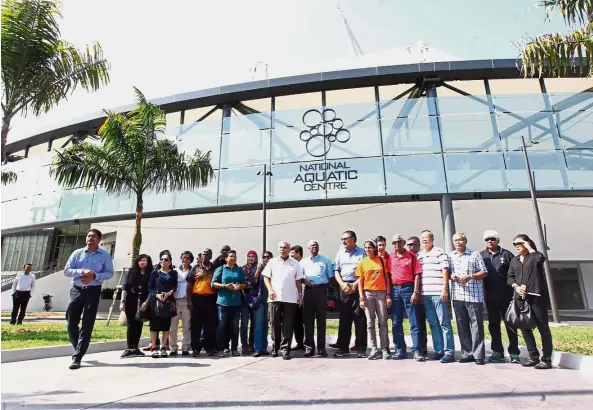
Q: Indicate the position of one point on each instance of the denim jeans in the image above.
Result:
(439, 320)
(402, 300)
(260, 324)
(247, 328)
(228, 326)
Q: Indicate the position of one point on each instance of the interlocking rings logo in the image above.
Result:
(324, 129)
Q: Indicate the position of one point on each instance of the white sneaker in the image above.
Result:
(374, 354)
(386, 355)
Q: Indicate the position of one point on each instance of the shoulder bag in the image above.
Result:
(519, 315)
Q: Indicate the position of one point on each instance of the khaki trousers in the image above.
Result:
(184, 315)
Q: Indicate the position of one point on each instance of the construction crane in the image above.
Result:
(355, 44)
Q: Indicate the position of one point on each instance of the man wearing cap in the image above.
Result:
(498, 296)
(318, 271)
(406, 289)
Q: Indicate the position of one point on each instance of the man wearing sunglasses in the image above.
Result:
(498, 295)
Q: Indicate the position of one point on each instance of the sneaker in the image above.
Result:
(530, 363)
(399, 356)
(164, 352)
(256, 354)
(386, 355)
(185, 353)
(138, 353)
(469, 359)
(274, 353)
(227, 351)
(286, 356)
(209, 353)
(127, 353)
(75, 365)
(360, 355)
(235, 353)
(155, 354)
(221, 353)
(436, 356)
(332, 345)
(496, 357)
(448, 358)
(515, 358)
(173, 353)
(196, 353)
(341, 353)
(374, 354)
(419, 357)
(309, 352)
(322, 352)
(480, 362)
(544, 364)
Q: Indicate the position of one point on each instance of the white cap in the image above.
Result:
(491, 234)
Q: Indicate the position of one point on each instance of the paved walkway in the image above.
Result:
(107, 382)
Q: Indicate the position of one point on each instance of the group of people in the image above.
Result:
(289, 293)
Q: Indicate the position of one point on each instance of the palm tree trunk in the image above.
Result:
(5, 128)
(137, 238)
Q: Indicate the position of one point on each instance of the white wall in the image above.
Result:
(55, 283)
(587, 274)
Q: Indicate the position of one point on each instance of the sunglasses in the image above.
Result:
(165, 260)
(490, 239)
(409, 244)
(266, 257)
(518, 244)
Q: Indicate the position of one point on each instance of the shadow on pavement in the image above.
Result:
(153, 365)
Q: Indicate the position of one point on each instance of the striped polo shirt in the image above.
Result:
(432, 264)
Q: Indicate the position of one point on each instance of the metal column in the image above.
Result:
(448, 220)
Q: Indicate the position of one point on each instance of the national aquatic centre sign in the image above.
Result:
(325, 176)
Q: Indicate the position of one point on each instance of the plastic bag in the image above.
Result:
(123, 320)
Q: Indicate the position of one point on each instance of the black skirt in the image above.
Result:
(160, 324)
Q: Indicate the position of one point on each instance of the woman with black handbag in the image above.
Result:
(527, 277)
(162, 286)
(135, 295)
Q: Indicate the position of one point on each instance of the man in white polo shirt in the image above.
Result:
(282, 276)
(22, 290)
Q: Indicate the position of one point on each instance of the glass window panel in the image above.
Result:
(38, 149)
(198, 138)
(474, 87)
(580, 168)
(46, 183)
(104, 204)
(351, 95)
(515, 86)
(156, 202)
(248, 122)
(173, 118)
(296, 101)
(16, 213)
(261, 105)
(410, 135)
(46, 206)
(294, 182)
(58, 143)
(362, 139)
(475, 172)
(470, 132)
(201, 197)
(415, 174)
(293, 118)
(245, 148)
(568, 85)
(405, 107)
(76, 203)
(576, 129)
(572, 102)
(287, 145)
(548, 166)
(524, 104)
(195, 114)
(240, 186)
(463, 105)
(388, 92)
(541, 128)
(355, 178)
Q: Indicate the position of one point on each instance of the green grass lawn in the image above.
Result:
(574, 339)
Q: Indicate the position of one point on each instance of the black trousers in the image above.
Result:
(84, 302)
(497, 303)
(282, 318)
(350, 311)
(539, 309)
(203, 321)
(299, 326)
(422, 334)
(134, 327)
(20, 300)
(314, 305)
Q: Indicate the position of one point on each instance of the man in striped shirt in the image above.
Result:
(435, 291)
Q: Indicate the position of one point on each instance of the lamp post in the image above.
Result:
(540, 233)
(265, 173)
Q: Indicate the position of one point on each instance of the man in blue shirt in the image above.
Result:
(318, 271)
(229, 280)
(347, 260)
(88, 267)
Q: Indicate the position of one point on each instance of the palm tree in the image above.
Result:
(39, 69)
(131, 159)
(555, 54)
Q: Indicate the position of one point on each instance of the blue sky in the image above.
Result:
(183, 45)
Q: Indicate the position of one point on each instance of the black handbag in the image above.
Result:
(140, 315)
(164, 310)
(519, 315)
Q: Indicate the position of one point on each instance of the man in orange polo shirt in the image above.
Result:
(406, 280)
(203, 306)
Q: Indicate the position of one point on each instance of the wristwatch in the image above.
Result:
(417, 292)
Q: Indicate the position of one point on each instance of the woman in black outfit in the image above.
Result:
(161, 286)
(526, 275)
(135, 287)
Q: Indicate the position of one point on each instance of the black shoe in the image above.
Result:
(264, 352)
(309, 352)
(341, 353)
(256, 354)
(185, 353)
(286, 356)
(195, 353)
(127, 353)
(467, 360)
(274, 353)
(12, 323)
(138, 353)
(322, 352)
(530, 363)
(155, 354)
(209, 353)
(75, 365)
(19, 323)
(544, 364)
(481, 362)
(173, 353)
(334, 345)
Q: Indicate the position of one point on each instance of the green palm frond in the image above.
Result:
(573, 11)
(8, 177)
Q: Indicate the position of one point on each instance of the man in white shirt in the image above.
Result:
(22, 290)
(282, 276)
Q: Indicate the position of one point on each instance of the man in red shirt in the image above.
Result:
(406, 280)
